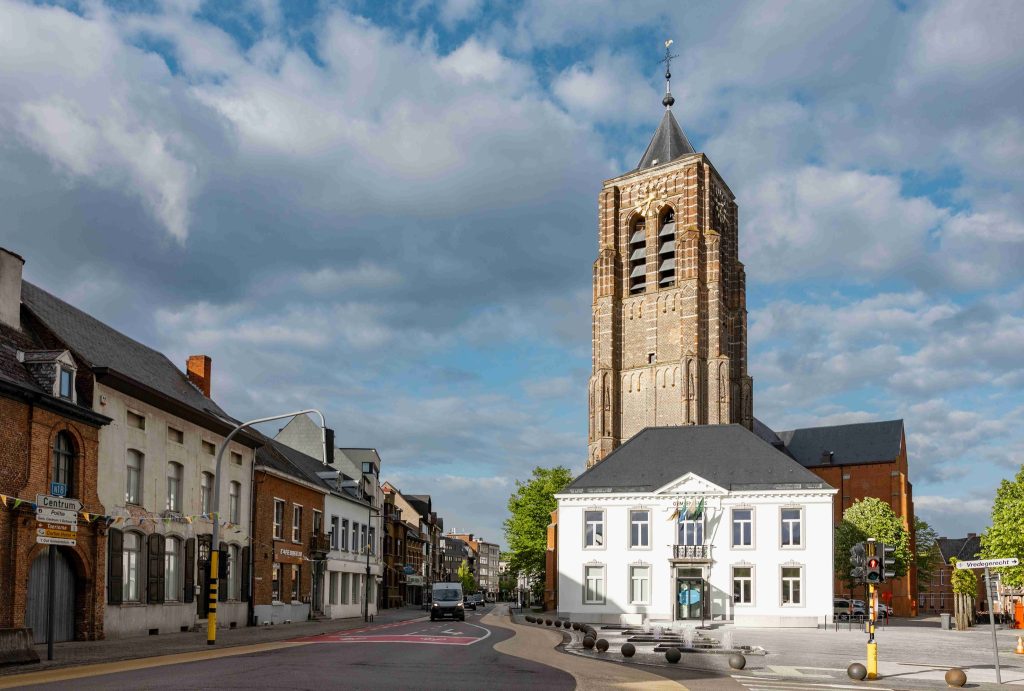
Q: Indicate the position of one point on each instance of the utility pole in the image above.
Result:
(873, 575)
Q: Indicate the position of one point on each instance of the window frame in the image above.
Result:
(632, 584)
(172, 575)
(275, 581)
(343, 536)
(647, 523)
(175, 475)
(235, 501)
(64, 456)
(733, 578)
(296, 576)
(602, 581)
(70, 374)
(732, 525)
(602, 533)
(278, 521)
(297, 524)
(782, 585)
(681, 531)
(206, 481)
(127, 561)
(135, 499)
(800, 527)
(335, 529)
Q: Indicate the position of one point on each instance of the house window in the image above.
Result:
(344, 534)
(296, 579)
(209, 448)
(278, 519)
(372, 542)
(131, 555)
(355, 536)
(64, 462)
(742, 527)
(236, 458)
(133, 486)
(639, 585)
(235, 502)
(275, 582)
(334, 532)
(296, 523)
(362, 539)
(135, 420)
(593, 522)
(333, 592)
(174, 473)
(791, 577)
(318, 522)
(691, 532)
(175, 435)
(639, 528)
(172, 569)
(67, 378)
(345, 587)
(206, 493)
(791, 533)
(743, 585)
(593, 585)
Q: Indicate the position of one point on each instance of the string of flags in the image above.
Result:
(126, 519)
(688, 510)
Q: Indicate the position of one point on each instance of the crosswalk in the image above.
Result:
(764, 681)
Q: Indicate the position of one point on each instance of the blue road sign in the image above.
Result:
(58, 489)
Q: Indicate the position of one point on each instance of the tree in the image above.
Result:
(965, 589)
(530, 508)
(1005, 537)
(927, 558)
(869, 518)
(466, 578)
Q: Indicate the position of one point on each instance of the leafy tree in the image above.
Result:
(847, 535)
(530, 508)
(927, 558)
(868, 518)
(965, 589)
(466, 578)
(1005, 537)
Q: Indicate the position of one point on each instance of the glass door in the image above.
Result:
(689, 598)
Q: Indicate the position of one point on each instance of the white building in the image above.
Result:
(696, 523)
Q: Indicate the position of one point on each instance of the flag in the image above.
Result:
(675, 514)
(699, 513)
(17, 503)
(3, 497)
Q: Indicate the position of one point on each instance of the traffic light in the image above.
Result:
(887, 554)
(858, 561)
(328, 440)
(873, 568)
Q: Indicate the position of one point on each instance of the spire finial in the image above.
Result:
(668, 100)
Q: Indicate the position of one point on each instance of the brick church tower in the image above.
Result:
(669, 313)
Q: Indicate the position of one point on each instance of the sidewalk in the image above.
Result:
(74, 653)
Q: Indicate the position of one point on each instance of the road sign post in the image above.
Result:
(987, 564)
(56, 524)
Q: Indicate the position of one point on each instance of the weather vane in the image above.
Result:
(668, 100)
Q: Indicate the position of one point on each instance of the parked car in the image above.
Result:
(843, 609)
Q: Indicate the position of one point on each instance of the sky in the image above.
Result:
(388, 211)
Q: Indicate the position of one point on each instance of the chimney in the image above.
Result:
(827, 457)
(10, 288)
(971, 535)
(199, 372)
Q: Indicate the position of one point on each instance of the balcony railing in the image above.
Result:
(320, 543)
(692, 552)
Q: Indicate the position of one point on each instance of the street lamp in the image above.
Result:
(327, 435)
(369, 468)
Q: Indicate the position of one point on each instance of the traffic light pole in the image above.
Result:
(872, 646)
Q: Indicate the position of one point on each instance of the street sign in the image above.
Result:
(987, 563)
(50, 502)
(57, 531)
(58, 489)
(57, 526)
(43, 540)
(56, 516)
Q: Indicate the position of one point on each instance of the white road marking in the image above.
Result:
(761, 684)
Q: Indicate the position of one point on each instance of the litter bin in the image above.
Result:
(946, 621)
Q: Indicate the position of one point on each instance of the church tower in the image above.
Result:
(669, 311)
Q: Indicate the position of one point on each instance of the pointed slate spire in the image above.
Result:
(669, 141)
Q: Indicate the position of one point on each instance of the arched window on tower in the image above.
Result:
(667, 249)
(64, 463)
(638, 257)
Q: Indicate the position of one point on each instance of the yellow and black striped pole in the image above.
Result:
(872, 646)
(211, 620)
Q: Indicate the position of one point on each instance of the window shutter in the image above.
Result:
(245, 574)
(155, 573)
(190, 571)
(115, 575)
(222, 572)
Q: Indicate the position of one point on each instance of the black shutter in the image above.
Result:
(155, 575)
(222, 573)
(115, 576)
(245, 574)
(190, 571)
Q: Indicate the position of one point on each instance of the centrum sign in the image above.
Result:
(987, 563)
(49, 502)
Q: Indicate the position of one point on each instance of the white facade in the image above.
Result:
(604, 577)
(157, 446)
(344, 584)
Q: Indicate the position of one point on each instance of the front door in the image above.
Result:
(63, 597)
(689, 598)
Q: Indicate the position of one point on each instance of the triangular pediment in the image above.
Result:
(691, 483)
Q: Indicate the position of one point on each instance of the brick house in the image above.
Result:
(46, 435)
(936, 595)
(288, 511)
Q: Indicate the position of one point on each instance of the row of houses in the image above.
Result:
(133, 438)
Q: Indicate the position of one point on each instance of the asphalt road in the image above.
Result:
(410, 655)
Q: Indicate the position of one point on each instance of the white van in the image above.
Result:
(446, 601)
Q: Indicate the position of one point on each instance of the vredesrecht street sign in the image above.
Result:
(987, 563)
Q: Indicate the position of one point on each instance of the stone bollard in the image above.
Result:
(547, 622)
(602, 645)
(673, 655)
(558, 623)
(588, 642)
(955, 677)
(628, 650)
(857, 671)
(737, 661)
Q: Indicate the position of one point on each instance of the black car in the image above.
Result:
(468, 603)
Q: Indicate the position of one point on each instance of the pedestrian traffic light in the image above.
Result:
(873, 568)
(858, 561)
(887, 553)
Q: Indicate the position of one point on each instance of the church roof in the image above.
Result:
(863, 442)
(668, 143)
(730, 456)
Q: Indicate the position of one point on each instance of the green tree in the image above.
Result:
(1005, 537)
(927, 557)
(869, 518)
(466, 578)
(530, 508)
(965, 589)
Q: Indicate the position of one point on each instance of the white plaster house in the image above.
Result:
(632, 549)
(155, 477)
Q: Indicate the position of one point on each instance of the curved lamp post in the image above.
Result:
(327, 435)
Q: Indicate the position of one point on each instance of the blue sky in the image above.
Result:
(388, 210)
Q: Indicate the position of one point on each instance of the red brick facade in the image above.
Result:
(27, 434)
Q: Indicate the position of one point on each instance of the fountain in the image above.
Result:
(727, 640)
(688, 634)
(657, 633)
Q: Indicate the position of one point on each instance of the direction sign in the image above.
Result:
(56, 526)
(56, 516)
(43, 540)
(50, 502)
(57, 531)
(987, 563)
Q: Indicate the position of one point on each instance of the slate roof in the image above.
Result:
(730, 456)
(97, 345)
(284, 459)
(864, 442)
(960, 547)
(668, 143)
